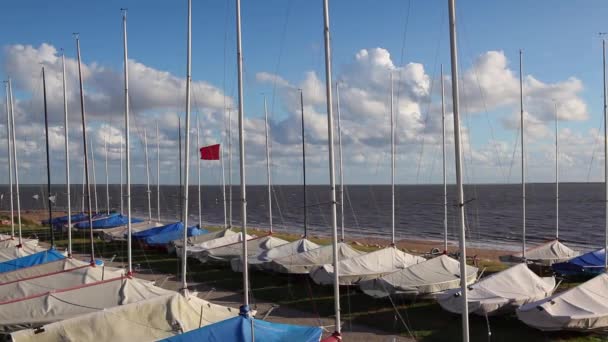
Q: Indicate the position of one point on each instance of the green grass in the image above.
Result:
(426, 320)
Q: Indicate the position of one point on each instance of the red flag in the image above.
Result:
(211, 152)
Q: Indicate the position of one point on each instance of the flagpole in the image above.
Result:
(266, 128)
(157, 172)
(187, 150)
(332, 176)
(198, 145)
(67, 155)
(127, 143)
(459, 178)
(341, 163)
(15, 161)
(10, 158)
(148, 192)
(84, 146)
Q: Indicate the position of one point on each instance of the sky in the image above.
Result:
(282, 53)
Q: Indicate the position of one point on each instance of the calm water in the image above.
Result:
(493, 211)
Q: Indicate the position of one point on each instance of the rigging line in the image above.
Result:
(594, 149)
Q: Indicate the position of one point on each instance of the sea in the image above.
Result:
(493, 211)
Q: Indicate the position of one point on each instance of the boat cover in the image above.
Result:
(147, 320)
(120, 233)
(40, 269)
(79, 275)
(173, 245)
(114, 220)
(303, 263)
(501, 292)
(244, 328)
(227, 253)
(264, 257)
(15, 252)
(61, 220)
(588, 264)
(167, 235)
(366, 266)
(546, 254)
(31, 260)
(581, 308)
(13, 242)
(426, 278)
(57, 305)
(201, 247)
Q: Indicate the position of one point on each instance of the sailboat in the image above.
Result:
(505, 291)
(429, 277)
(583, 307)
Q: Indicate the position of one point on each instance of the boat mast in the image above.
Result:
(523, 159)
(84, 146)
(10, 158)
(239, 62)
(266, 128)
(122, 212)
(148, 192)
(340, 166)
(445, 186)
(198, 145)
(181, 183)
(157, 173)
(392, 165)
(187, 150)
(332, 176)
(224, 188)
(67, 155)
(105, 146)
(94, 176)
(15, 160)
(605, 153)
(48, 161)
(459, 178)
(127, 142)
(556, 174)
(83, 185)
(230, 168)
(304, 167)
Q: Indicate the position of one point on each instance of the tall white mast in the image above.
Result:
(332, 176)
(230, 168)
(459, 178)
(445, 186)
(523, 159)
(84, 147)
(15, 160)
(223, 187)
(157, 173)
(605, 153)
(392, 165)
(198, 169)
(341, 163)
(187, 154)
(67, 155)
(266, 133)
(83, 182)
(556, 174)
(239, 62)
(10, 158)
(148, 192)
(122, 212)
(94, 177)
(127, 141)
(105, 146)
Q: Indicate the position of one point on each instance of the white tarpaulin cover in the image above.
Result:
(147, 320)
(426, 278)
(303, 263)
(119, 233)
(501, 292)
(196, 249)
(584, 308)
(547, 253)
(263, 258)
(58, 305)
(26, 249)
(49, 267)
(367, 266)
(193, 240)
(57, 280)
(227, 253)
(6, 243)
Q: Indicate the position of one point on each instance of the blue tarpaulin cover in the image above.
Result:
(245, 329)
(165, 234)
(57, 221)
(590, 263)
(114, 220)
(31, 260)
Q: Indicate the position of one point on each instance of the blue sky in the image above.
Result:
(285, 38)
